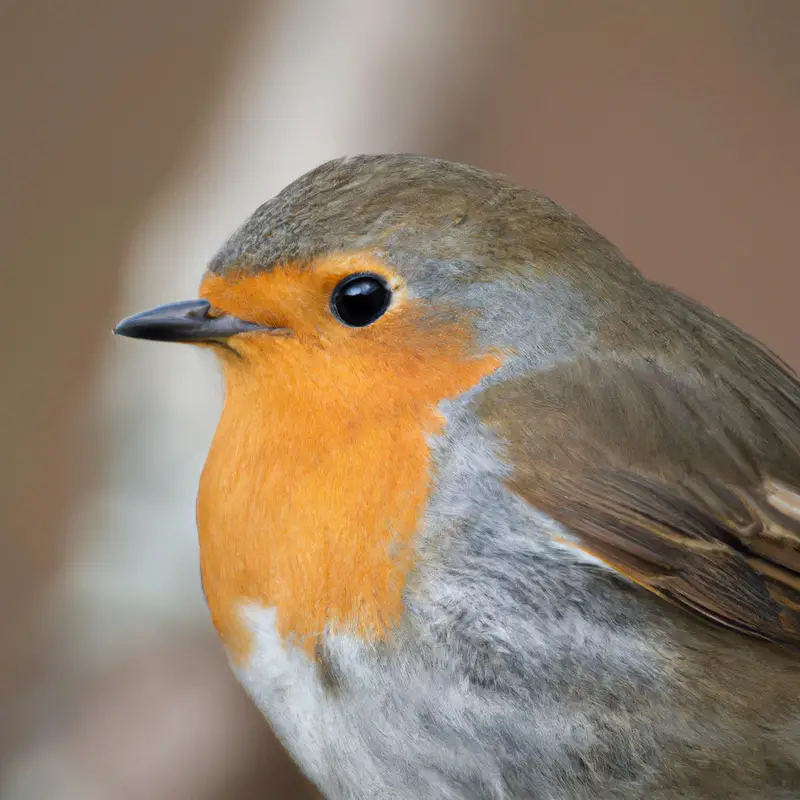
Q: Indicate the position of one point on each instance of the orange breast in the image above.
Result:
(319, 471)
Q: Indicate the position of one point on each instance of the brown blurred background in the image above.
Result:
(136, 135)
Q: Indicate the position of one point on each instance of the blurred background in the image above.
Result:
(136, 134)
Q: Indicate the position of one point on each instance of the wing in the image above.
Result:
(679, 469)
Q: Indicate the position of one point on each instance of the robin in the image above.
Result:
(487, 513)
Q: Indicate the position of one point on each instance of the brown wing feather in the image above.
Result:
(740, 575)
(683, 476)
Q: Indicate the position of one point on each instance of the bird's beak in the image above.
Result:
(187, 321)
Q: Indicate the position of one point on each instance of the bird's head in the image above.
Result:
(389, 262)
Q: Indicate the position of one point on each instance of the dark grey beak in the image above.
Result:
(187, 321)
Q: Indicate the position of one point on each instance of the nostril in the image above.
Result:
(200, 311)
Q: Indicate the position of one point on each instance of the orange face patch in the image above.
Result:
(319, 471)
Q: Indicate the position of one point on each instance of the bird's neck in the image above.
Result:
(309, 504)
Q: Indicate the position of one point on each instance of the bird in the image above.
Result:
(487, 513)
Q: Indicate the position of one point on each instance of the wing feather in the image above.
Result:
(682, 474)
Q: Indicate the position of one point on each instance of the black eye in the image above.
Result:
(360, 299)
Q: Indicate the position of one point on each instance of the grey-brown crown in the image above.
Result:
(418, 212)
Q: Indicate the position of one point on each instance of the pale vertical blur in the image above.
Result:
(137, 136)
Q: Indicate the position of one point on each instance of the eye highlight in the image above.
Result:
(358, 300)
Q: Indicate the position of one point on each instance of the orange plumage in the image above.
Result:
(319, 470)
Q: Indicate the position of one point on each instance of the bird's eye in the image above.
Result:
(360, 299)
